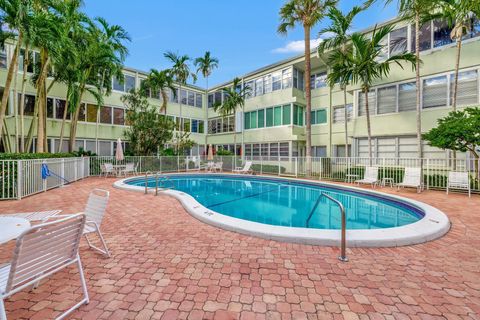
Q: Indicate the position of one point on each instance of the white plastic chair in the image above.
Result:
(129, 169)
(40, 252)
(34, 216)
(412, 178)
(106, 169)
(95, 210)
(459, 180)
(370, 177)
(218, 166)
(245, 169)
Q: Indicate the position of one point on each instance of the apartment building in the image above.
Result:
(272, 122)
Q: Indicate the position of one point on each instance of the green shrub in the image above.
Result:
(267, 168)
(28, 156)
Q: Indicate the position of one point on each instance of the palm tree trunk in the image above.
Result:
(62, 128)
(346, 120)
(417, 79)
(206, 118)
(455, 89)
(74, 121)
(308, 98)
(6, 141)
(369, 128)
(26, 62)
(41, 96)
(8, 83)
(15, 108)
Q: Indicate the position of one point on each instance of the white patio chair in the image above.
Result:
(370, 177)
(34, 216)
(107, 169)
(247, 168)
(459, 181)
(412, 179)
(129, 169)
(95, 210)
(217, 166)
(40, 252)
(210, 166)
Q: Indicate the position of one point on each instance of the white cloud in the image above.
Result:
(296, 46)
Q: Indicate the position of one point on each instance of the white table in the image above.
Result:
(12, 227)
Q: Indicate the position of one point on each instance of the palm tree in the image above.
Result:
(205, 66)
(307, 13)
(235, 96)
(15, 17)
(459, 15)
(417, 11)
(339, 29)
(160, 82)
(181, 73)
(364, 65)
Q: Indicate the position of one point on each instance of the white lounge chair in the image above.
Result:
(370, 177)
(210, 166)
(217, 166)
(247, 168)
(40, 252)
(459, 180)
(412, 179)
(129, 169)
(95, 210)
(107, 169)
(34, 216)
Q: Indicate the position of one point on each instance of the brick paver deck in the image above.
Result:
(167, 265)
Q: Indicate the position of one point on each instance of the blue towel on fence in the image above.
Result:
(45, 171)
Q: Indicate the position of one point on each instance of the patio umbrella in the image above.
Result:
(119, 152)
(210, 152)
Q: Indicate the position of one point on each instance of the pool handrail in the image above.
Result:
(146, 181)
(343, 254)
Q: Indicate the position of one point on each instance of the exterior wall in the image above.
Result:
(329, 135)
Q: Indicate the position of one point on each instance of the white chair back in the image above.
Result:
(96, 205)
(458, 179)
(371, 173)
(130, 167)
(108, 167)
(45, 249)
(247, 166)
(412, 176)
(219, 165)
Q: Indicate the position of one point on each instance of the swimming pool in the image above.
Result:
(273, 207)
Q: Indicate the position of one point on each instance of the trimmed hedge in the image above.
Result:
(267, 168)
(29, 156)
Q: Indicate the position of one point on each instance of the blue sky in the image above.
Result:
(241, 34)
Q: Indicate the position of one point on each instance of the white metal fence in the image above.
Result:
(21, 178)
(391, 170)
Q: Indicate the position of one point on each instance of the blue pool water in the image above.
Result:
(287, 203)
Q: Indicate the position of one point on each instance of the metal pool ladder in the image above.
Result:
(343, 254)
(158, 178)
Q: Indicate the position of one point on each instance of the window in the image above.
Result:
(253, 120)
(104, 148)
(475, 28)
(60, 109)
(318, 80)
(467, 91)
(259, 87)
(183, 96)
(425, 37)
(255, 150)
(276, 81)
(186, 125)
(3, 59)
(201, 126)
(269, 117)
(29, 105)
(117, 84)
(286, 78)
(248, 150)
(398, 41)
(267, 83)
(129, 83)
(319, 151)
(286, 114)
(261, 118)
(217, 98)
(194, 125)
(173, 95)
(339, 113)
(118, 116)
(250, 92)
(441, 33)
(231, 124)
(371, 103)
(212, 126)
(321, 116)
(210, 100)
(407, 97)
(435, 92)
(199, 100)
(106, 115)
(298, 115)
(191, 98)
(50, 108)
(246, 120)
(387, 99)
(277, 116)
(91, 113)
(273, 149)
(298, 77)
(284, 149)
